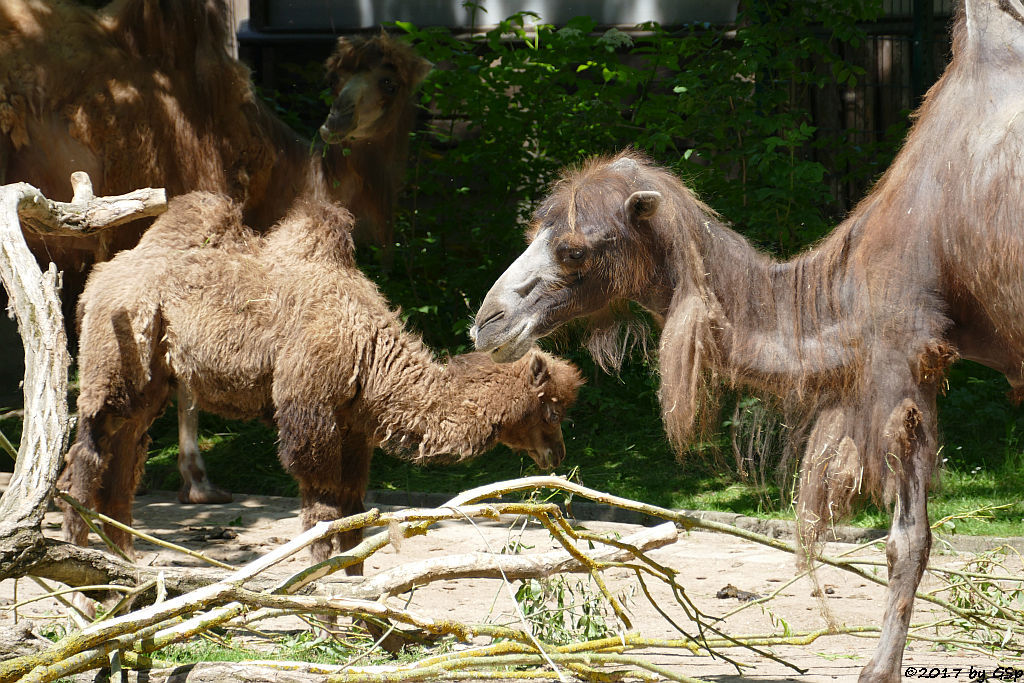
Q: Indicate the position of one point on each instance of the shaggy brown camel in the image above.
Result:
(282, 327)
(145, 93)
(854, 334)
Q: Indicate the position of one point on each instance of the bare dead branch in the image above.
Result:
(86, 213)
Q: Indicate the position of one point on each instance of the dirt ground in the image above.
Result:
(706, 563)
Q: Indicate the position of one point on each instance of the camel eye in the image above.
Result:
(388, 86)
(573, 256)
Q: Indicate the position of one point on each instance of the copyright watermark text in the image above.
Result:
(967, 673)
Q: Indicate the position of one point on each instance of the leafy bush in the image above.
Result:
(726, 109)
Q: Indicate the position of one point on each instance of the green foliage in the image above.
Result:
(729, 110)
(989, 585)
(563, 610)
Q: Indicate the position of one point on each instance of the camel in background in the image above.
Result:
(138, 94)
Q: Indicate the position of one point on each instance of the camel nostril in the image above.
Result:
(493, 317)
(524, 289)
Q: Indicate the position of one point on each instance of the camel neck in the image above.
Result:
(774, 322)
(429, 409)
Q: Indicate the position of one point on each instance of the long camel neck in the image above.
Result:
(774, 323)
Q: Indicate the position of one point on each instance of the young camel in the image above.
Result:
(854, 335)
(282, 327)
(141, 93)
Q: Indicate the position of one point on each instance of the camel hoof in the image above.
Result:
(211, 495)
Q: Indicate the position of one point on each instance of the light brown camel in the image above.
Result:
(282, 327)
(145, 93)
(854, 334)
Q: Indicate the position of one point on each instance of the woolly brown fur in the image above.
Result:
(283, 327)
(144, 93)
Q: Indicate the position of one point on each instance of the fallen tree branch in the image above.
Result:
(98, 640)
(495, 566)
(85, 213)
(229, 605)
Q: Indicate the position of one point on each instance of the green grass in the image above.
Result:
(299, 646)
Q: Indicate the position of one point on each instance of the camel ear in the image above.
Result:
(539, 370)
(642, 205)
(332, 66)
(342, 48)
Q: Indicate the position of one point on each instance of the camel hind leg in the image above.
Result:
(85, 464)
(196, 486)
(129, 446)
(125, 386)
(111, 450)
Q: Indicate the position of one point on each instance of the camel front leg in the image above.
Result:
(339, 493)
(196, 486)
(907, 549)
(331, 464)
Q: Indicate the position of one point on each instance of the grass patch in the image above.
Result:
(298, 646)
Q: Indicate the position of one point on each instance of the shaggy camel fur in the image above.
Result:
(284, 328)
(855, 335)
(145, 93)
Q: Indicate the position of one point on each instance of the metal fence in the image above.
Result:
(904, 53)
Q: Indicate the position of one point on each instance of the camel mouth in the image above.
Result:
(332, 138)
(547, 460)
(504, 343)
(512, 350)
(493, 317)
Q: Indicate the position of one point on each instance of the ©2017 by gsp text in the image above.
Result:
(967, 673)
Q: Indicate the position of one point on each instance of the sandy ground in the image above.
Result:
(705, 562)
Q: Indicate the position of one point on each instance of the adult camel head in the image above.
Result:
(372, 82)
(600, 239)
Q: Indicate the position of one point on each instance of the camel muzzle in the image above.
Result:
(506, 324)
(549, 458)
